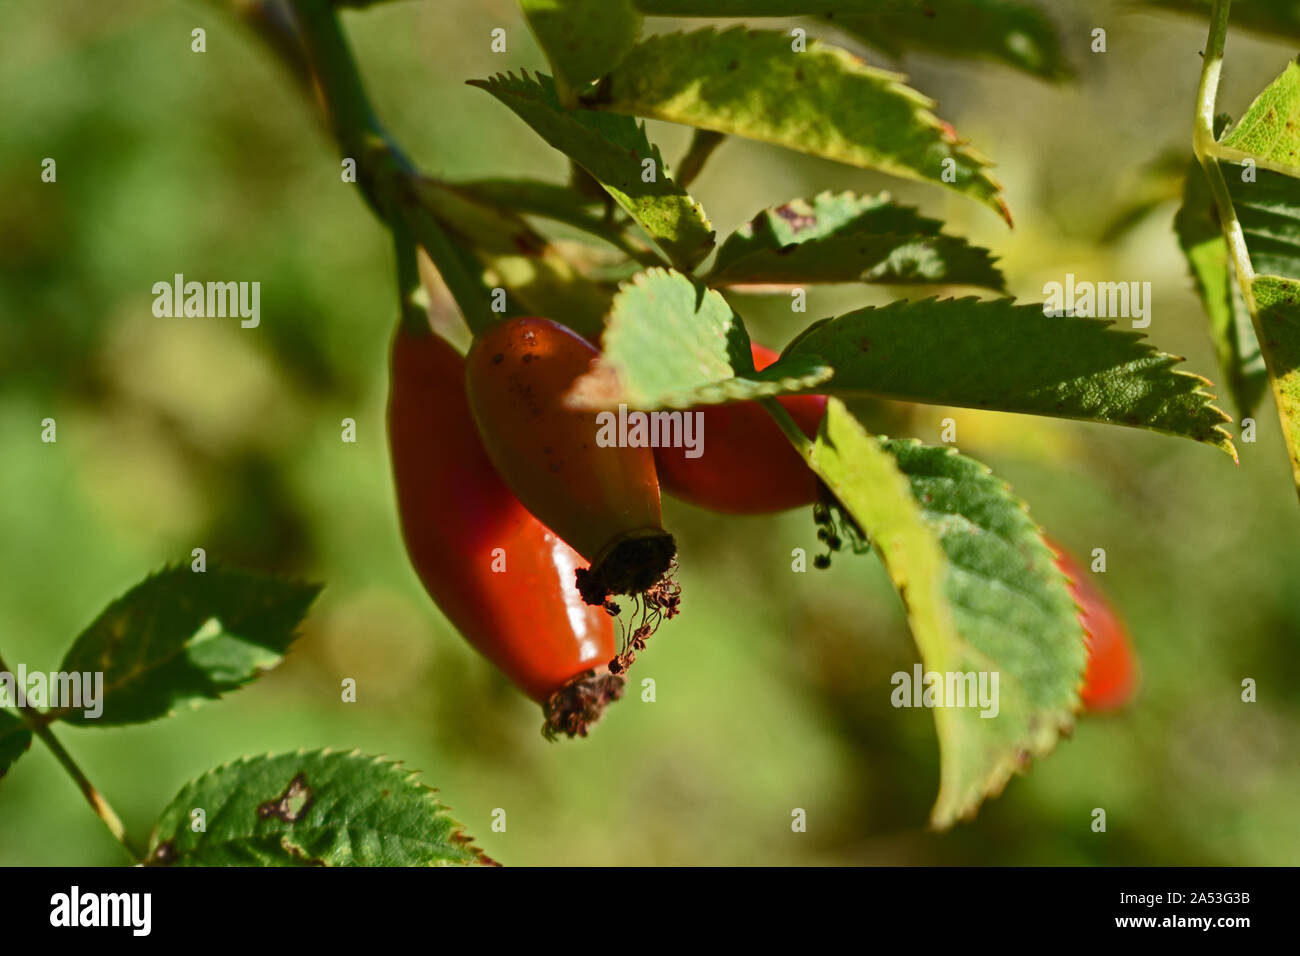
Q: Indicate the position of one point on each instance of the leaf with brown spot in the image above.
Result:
(321, 808)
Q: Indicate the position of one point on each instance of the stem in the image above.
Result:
(411, 315)
(464, 282)
(1211, 67)
(93, 796)
(386, 176)
(1208, 153)
(1205, 146)
(798, 439)
(380, 162)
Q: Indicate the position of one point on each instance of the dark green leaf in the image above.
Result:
(824, 101)
(1265, 199)
(310, 809)
(1013, 358)
(1013, 32)
(1202, 242)
(1268, 208)
(15, 738)
(182, 637)
(613, 150)
(849, 238)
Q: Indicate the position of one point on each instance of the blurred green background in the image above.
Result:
(773, 687)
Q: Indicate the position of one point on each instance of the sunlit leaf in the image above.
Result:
(1278, 303)
(672, 343)
(982, 595)
(1270, 130)
(824, 101)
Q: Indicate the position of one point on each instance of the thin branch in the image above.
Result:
(37, 725)
(1204, 143)
(1208, 153)
(413, 317)
(387, 177)
(790, 427)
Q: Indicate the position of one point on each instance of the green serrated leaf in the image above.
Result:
(15, 738)
(1265, 199)
(1000, 356)
(1012, 32)
(844, 237)
(182, 637)
(1268, 208)
(1275, 19)
(310, 809)
(1011, 606)
(1208, 257)
(670, 342)
(982, 595)
(582, 39)
(612, 149)
(824, 101)
(1277, 300)
(1270, 130)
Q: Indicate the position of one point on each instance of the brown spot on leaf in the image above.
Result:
(290, 806)
(798, 220)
